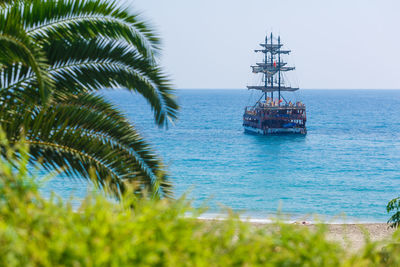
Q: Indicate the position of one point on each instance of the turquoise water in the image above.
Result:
(349, 162)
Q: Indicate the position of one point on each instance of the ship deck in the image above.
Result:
(285, 107)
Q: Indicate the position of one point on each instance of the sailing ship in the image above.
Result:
(274, 115)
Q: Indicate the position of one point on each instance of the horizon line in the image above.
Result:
(299, 89)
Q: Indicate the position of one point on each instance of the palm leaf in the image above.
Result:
(69, 19)
(88, 65)
(84, 46)
(16, 47)
(84, 131)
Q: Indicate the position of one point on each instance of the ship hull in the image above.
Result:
(269, 120)
(272, 131)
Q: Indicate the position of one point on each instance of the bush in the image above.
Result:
(142, 232)
(394, 205)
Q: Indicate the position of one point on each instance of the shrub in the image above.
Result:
(394, 205)
(142, 232)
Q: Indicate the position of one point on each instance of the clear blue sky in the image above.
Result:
(342, 44)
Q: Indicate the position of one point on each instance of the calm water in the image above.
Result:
(349, 162)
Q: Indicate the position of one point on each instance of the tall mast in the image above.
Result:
(265, 74)
(272, 65)
(268, 68)
(279, 71)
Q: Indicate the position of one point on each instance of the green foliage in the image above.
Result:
(50, 232)
(38, 232)
(394, 205)
(54, 56)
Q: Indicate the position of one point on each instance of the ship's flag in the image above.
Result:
(280, 100)
(274, 64)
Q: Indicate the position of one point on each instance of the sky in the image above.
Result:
(341, 44)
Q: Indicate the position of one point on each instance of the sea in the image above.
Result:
(345, 169)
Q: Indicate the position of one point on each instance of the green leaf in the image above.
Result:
(72, 49)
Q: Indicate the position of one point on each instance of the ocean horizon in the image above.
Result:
(345, 168)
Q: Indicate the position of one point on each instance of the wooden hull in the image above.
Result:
(267, 120)
(272, 131)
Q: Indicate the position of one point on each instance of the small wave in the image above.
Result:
(306, 219)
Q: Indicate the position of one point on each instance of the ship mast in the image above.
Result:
(265, 75)
(272, 65)
(279, 71)
(270, 68)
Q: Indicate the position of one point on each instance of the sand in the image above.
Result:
(352, 236)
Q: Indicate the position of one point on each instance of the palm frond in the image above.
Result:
(78, 47)
(79, 132)
(70, 19)
(17, 48)
(98, 64)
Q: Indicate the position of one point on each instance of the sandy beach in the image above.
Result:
(352, 236)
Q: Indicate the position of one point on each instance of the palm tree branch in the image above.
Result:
(60, 166)
(107, 120)
(69, 62)
(90, 19)
(114, 143)
(94, 119)
(89, 45)
(17, 51)
(157, 95)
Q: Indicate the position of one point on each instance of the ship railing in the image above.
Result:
(250, 110)
(282, 106)
(287, 116)
(265, 106)
(274, 116)
(297, 126)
